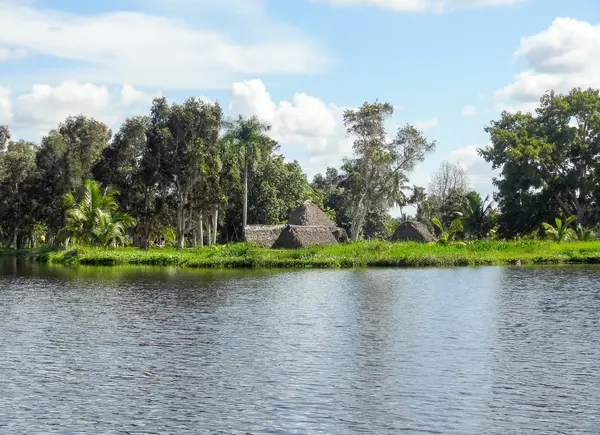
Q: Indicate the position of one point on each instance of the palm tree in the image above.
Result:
(448, 236)
(95, 219)
(562, 231)
(247, 135)
(478, 215)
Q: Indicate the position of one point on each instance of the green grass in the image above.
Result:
(360, 254)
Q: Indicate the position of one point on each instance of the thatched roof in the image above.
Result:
(340, 234)
(263, 235)
(296, 237)
(411, 231)
(310, 215)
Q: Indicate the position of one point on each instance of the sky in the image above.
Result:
(449, 67)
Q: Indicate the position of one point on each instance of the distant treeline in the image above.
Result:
(185, 174)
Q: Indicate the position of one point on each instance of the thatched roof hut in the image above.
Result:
(411, 231)
(296, 237)
(310, 215)
(263, 235)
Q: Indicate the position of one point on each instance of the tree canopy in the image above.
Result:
(185, 175)
(549, 161)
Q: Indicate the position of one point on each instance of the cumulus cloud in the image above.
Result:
(5, 106)
(438, 6)
(148, 50)
(130, 96)
(564, 56)
(469, 110)
(44, 106)
(305, 121)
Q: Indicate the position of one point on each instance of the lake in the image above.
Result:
(451, 351)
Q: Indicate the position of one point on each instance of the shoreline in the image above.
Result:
(366, 254)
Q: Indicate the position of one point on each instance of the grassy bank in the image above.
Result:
(361, 254)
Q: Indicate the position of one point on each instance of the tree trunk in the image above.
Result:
(15, 237)
(209, 231)
(245, 213)
(144, 241)
(201, 232)
(580, 213)
(181, 222)
(215, 224)
(180, 228)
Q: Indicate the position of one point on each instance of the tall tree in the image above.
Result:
(17, 176)
(248, 137)
(66, 159)
(132, 164)
(4, 136)
(548, 161)
(449, 177)
(380, 165)
(190, 136)
(417, 197)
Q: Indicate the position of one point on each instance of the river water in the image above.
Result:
(451, 351)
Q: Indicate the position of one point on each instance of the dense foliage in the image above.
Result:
(184, 175)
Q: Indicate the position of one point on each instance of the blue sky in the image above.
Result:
(449, 66)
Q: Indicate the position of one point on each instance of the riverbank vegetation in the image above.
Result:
(186, 177)
(355, 254)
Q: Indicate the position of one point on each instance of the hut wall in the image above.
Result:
(263, 235)
(296, 237)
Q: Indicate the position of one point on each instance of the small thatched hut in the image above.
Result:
(310, 215)
(263, 235)
(411, 231)
(296, 237)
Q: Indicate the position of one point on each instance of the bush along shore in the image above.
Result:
(358, 254)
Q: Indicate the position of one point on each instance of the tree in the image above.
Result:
(17, 177)
(562, 231)
(417, 197)
(249, 139)
(65, 160)
(449, 178)
(548, 162)
(479, 216)
(95, 219)
(4, 136)
(456, 226)
(378, 171)
(132, 164)
(187, 135)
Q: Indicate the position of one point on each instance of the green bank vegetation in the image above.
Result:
(355, 254)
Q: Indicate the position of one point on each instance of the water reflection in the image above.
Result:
(469, 351)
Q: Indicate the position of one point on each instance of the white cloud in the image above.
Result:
(130, 95)
(438, 6)
(148, 50)
(44, 106)
(469, 110)
(305, 121)
(480, 172)
(427, 124)
(466, 155)
(12, 54)
(5, 106)
(564, 56)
